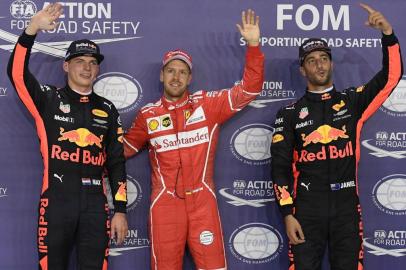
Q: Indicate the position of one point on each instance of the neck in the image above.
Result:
(80, 89)
(173, 98)
(319, 88)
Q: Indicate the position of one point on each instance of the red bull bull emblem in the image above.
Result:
(283, 195)
(81, 137)
(325, 96)
(324, 134)
(121, 194)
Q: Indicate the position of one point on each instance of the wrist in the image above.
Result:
(31, 30)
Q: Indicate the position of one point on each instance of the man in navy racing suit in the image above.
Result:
(315, 151)
(80, 137)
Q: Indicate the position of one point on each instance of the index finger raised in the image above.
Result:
(367, 8)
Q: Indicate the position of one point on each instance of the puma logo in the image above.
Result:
(304, 185)
(108, 104)
(59, 177)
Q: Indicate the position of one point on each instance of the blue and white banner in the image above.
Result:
(133, 36)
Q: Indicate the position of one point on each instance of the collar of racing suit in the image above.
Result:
(74, 95)
(171, 105)
(321, 96)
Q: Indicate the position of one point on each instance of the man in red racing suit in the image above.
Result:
(181, 130)
(315, 150)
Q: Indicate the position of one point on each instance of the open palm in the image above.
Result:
(250, 27)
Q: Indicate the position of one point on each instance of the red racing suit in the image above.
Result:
(182, 138)
(315, 151)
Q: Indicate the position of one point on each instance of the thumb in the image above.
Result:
(300, 231)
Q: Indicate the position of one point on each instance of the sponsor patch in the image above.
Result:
(277, 138)
(360, 89)
(121, 194)
(159, 123)
(338, 106)
(65, 108)
(182, 140)
(99, 113)
(283, 195)
(206, 238)
(338, 186)
(86, 181)
(196, 117)
(304, 112)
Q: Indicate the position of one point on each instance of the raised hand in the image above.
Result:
(377, 20)
(250, 27)
(45, 19)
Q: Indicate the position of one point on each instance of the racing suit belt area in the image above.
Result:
(80, 138)
(182, 138)
(315, 149)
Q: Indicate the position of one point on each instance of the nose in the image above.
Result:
(86, 66)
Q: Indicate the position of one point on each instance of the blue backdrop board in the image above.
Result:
(134, 35)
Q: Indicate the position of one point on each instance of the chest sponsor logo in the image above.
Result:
(324, 134)
(304, 112)
(277, 138)
(159, 123)
(182, 140)
(65, 108)
(279, 121)
(333, 153)
(304, 124)
(81, 137)
(100, 113)
(197, 116)
(64, 119)
(325, 96)
(337, 107)
(166, 122)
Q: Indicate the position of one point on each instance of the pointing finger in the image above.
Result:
(367, 8)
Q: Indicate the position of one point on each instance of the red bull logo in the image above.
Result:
(78, 156)
(81, 136)
(324, 134)
(333, 153)
(42, 226)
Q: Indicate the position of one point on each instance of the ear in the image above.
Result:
(65, 66)
(189, 79)
(302, 71)
(161, 75)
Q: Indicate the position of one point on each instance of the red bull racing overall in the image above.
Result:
(80, 138)
(315, 151)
